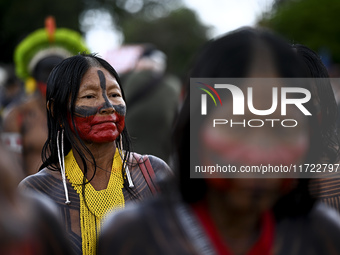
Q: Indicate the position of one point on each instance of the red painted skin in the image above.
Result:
(238, 153)
(99, 128)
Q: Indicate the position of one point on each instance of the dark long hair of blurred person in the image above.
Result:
(326, 103)
(226, 57)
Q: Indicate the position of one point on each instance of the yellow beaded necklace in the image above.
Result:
(98, 203)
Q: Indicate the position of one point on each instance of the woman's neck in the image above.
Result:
(103, 154)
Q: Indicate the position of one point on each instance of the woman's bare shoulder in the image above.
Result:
(159, 166)
(42, 178)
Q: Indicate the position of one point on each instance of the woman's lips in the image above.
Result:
(98, 120)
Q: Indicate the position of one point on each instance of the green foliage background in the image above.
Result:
(175, 30)
(314, 23)
(18, 18)
(179, 35)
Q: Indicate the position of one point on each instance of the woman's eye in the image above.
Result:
(88, 96)
(114, 95)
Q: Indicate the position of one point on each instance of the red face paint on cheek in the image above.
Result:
(98, 129)
(120, 123)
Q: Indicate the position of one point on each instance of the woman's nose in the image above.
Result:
(107, 108)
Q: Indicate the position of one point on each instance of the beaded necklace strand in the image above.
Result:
(98, 203)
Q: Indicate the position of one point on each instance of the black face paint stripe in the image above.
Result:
(87, 111)
(120, 109)
(102, 80)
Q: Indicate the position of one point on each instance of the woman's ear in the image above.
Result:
(49, 106)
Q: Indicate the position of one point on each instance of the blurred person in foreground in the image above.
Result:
(327, 189)
(246, 215)
(88, 168)
(28, 222)
(25, 123)
(153, 98)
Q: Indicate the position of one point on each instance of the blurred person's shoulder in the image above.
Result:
(140, 228)
(325, 220)
(46, 223)
(320, 229)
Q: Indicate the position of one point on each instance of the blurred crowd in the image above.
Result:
(96, 152)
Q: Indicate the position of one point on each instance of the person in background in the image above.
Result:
(88, 168)
(11, 88)
(25, 123)
(242, 214)
(153, 97)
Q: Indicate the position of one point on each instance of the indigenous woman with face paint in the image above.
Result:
(236, 215)
(88, 168)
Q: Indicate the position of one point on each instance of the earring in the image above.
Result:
(62, 163)
(121, 142)
(125, 167)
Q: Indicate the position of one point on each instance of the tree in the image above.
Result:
(179, 35)
(177, 32)
(122, 10)
(18, 18)
(309, 22)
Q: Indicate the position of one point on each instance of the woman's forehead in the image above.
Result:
(96, 77)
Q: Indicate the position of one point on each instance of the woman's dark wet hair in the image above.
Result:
(231, 56)
(62, 90)
(325, 99)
